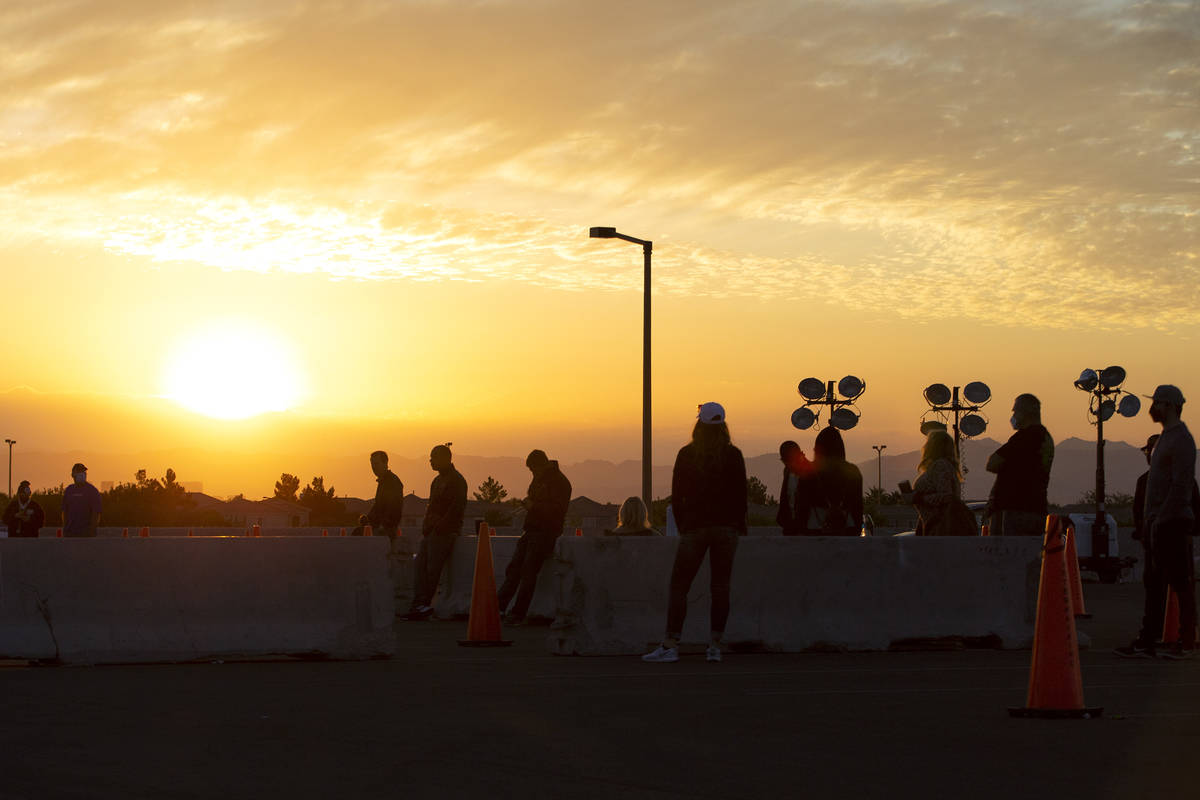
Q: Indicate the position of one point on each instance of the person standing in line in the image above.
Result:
(708, 491)
(546, 504)
(439, 530)
(1017, 505)
(1168, 521)
(1139, 495)
(793, 496)
(633, 520)
(835, 489)
(24, 517)
(81, 506)
(937, 490)
(385, 514)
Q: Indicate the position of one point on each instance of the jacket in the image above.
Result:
(549, 495)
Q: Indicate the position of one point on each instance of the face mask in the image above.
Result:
(80, 477)
(1155, 414)
(1013, 422)
(23, 497)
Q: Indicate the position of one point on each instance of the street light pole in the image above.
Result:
(647, 248)
(10, 443)
(879, 448)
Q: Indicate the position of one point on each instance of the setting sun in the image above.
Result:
(233, 370)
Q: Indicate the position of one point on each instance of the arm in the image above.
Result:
(936, 486)
(995, 461)
(743, 501)
(1182, 472)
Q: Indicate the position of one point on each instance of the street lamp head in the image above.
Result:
(602, 233)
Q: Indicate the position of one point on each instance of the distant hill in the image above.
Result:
(1073, 474)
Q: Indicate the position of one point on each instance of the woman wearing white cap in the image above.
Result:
(708, 492)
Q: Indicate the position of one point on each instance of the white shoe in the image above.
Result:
(663, 654)
(713, 653)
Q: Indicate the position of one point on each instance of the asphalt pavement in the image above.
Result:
(443, 721)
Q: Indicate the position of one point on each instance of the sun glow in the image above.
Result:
(233, 370)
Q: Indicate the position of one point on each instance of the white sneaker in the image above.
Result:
(664, 654)
(713, 653)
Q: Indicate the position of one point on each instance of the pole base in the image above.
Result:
(1056, 713)
(493, 643)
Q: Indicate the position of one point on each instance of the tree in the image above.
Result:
(286, 487)
(323, 505)
(756, 492)
(491, 491)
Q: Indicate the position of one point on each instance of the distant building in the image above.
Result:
(266, 513)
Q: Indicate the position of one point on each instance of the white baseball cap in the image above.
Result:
(711, 413)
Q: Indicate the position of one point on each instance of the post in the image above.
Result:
(879, 448)
(647, 490)
(1100, 526)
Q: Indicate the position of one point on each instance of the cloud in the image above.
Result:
(998, 162)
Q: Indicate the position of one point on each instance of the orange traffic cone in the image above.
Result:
(1073, 572)
(144, 532)
(1170, 631)
(1055, 683)
(124, 533)
(579, 531)
(324, 531)
(58, 534)
(985, 530)
(343, 533)
(367, 530)
(189, 531)
(483, 626)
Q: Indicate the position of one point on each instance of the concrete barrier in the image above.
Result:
(794, 594)
(171, 599)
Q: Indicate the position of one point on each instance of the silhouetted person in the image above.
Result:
(1017, 505)
(80, 505)
(708, 491)
(23, 516)
(793, 493)
(439, 531)
(633, 520)
(937, 490)
(546, 510)
(385, 514)
(835, 489)
(1139, 495)
(1168, 518)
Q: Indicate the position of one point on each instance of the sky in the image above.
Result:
(364, 224)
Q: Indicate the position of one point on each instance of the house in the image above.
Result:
(267, 513)
(590, 516)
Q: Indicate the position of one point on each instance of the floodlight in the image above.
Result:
(1129, 406)
(1087, 380)
(851, 387)
(843, 419)
(1112, 377)
(812, 388)
(977, 392)
(602, 233)
(937, 394)
(1106, 410)
(972, 425)
(803, 418)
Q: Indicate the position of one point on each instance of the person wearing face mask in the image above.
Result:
(24, 517)
(1018, 506)
(80, 505)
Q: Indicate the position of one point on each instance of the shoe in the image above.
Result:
(1179, 653)
(662, 654)
(419, 613)
(713, 653)
(1136, 649)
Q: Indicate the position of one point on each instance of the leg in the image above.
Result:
(688, 557)
(722, 546)
(1155, 603)
(539, 550)
(1175, 560)
(512, 573)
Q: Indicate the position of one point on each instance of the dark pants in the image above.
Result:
(720, 544)
(435, 550)
(520, 577)
(1169, 564)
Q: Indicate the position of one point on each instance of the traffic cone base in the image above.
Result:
(1055, 682)
(483, 626)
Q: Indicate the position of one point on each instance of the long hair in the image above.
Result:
(633, 515)
(708, 440)
(939, 444)
(829, 446)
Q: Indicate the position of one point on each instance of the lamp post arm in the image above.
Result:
(633, 239)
